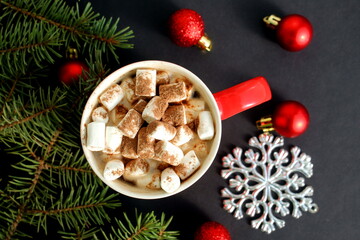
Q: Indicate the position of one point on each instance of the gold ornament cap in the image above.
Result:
(272, 21)
(265, 124)
(72, 53)
(205, 43)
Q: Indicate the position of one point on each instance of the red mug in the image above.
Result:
(222, 105)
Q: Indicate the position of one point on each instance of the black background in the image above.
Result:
(325, 77)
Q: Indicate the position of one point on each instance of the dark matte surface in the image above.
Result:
(325, 77)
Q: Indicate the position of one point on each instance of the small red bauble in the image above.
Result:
(71, 71)
(212, 231)
(290, 119)
(293, 32)
(187, 28)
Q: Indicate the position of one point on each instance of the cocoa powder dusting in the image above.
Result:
(129, 147)
(173, 92)
(146, 144)
(180, 169)
(175, 115)
(100, 112)
(154, 179)
(109, 93)
(144, 84)
(162, 166)
(140, 106)
(164, 155)
(188, 84)
(161, 106)
(138, 164)
(131, 123)
(162, 77)
(117, 172)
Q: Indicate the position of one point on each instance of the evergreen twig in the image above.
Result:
(145, 227)
(49, 179)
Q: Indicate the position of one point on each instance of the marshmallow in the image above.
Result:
(175, 115)
(183, 135)
(205, 127)
(129, 147)
(95, 136)
(192, 108)
(106, 157)
(117, 114)
(191, 115)
(100, 115)
(145, 84)
(162, 77)
(113, 139)
(201, 147)
(131, 123)
(189, 164)
(140, 106)
(155, 109)
(170, 181)
(195, 104)
(157, 165)
(113, 170)
(190, 89)
(161, 130)
(135, 169)
(168, 152)
(150, 180)
(128, 85)
(173, 92)
(112, 96)
(146, 144)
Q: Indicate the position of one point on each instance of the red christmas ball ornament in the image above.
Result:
(71, 71)
(290, 119)
(187, 28)
(212, 231)
(293, 32)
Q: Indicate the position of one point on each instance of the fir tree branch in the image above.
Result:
(56, 24)
(84, 26)
(80, 234)
(34, 182)
(24, 47)
(70, 209)
(28, 118)
(9, 197)
(145, 227)
(48, 166)
(72, 29)
(24, 38)
(9, 95)
(21, 210)
(50, 177)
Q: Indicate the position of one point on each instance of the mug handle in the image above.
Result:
(242, 96)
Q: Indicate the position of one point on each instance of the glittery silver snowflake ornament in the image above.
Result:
(266, 183)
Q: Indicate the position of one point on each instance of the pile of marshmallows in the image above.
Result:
(150, 140)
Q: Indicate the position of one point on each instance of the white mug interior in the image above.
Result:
(98, 165)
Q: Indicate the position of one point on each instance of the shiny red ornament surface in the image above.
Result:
(212, 231)
(71, 71)
(294, 32)
(291, 119)
(186, 27)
